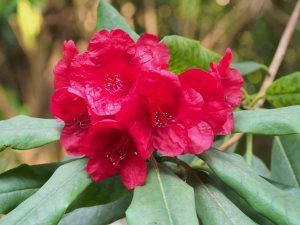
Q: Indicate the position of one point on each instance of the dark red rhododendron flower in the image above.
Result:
(119, 102)
(107, 73)
(111, 149)
(221, 92)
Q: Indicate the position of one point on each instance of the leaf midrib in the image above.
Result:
(281, 147)
(163, 192)
(212, 195)
(49, 195)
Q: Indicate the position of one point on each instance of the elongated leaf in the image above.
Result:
(48, 205)
(260, 167)
(275, 204)
(214, 208)
(287, 188)
(100, 193)
(109, 18)
(285, 165)
(247, 68)
(19, 183)
(285, 91)
(98, 215)
(241, 203)
(268, 121)
(165, 199)
(24, 132)
(187, 53)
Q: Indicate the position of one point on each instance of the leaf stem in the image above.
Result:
(249, 149)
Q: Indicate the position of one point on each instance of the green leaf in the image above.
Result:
(268, 121)
(275, 204)
(48, 205)
(164, 199)
(214, 208)
(260, 167)
(285, 166)
(241, 203)
(98, 215)
(285, 91)
(247, 68)
(99, 193)
(109, 18)
(24, 132)
(19, 183)
(187, 53)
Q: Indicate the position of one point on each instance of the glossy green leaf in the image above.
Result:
(285, 91)
(187, 53)
(260, 167)
(19, 183)
(99, 193)
(48, 205)
(247, 68)
(287, 188)
(285, 163)
(24, 132)
(275, 204)
(98, 215)
(109, 18)
(214, 208)
(241, 203)
(164, 199)
(268, 121)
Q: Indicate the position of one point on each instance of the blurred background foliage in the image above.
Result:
(32, 32)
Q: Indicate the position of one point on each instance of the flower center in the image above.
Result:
(83, 120)
(112, 83)
(162, 119)
(120, 150)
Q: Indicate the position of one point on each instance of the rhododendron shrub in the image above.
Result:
(153, 130)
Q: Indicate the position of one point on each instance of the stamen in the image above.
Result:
(120, 150)
(112, 83)
(162, 119)
(83, 120)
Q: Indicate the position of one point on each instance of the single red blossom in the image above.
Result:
(68, 106)
(107, 73)
(110, 150)
(62, 69)
(221, 92)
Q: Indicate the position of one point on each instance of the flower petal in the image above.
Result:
(151, 53)
(62, 68)
(200, 138)
(114, 39)
(134, 116)
(171, 140)
(66, 103)
(232, 84)
(133, 171)
(71, 139)
(215, 113)
(99, 167)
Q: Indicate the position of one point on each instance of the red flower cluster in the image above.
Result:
(119, 102)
